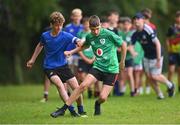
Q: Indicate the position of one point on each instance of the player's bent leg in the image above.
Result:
(76, 93)
(171, 69)
(171, 87)
(131, 78)
(63, 94)
(106, 89)
(46, 89)
(83, 86)
(60, 87)
(74, 84)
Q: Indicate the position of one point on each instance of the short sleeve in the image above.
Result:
(70, 38)
(153, 37)
(42, 40)
(116, 39)
(87, 41)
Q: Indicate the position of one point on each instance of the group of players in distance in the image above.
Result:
(112, 52)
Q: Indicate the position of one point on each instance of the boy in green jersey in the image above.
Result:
(105, 67)
(126, 74)
(87, 57)
(138, 68)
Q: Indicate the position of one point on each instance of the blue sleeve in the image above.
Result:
(71, 41)
(70, 38)
(153, 37)
(42, 40)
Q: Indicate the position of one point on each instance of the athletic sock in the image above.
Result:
(65, 106)
(46, 95)
(98, 102)
(71, 108)
(169, 84)
(160, 94)
(80, 109)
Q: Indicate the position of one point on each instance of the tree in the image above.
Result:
(21, 19)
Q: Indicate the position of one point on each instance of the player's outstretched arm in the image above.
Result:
(87, 60)
(34, 56)
(123, 55)
(79, 44)
(71, 52)
(132, 51)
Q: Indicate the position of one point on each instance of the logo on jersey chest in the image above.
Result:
(102, 41)
(128, 39)
(71, 30)
(144, 37)
(99, 52)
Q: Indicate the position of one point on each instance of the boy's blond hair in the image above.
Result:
(76, 11)
(56, 17)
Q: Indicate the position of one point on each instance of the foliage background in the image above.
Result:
(22, 21)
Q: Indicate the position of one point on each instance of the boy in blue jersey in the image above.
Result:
(55, 66)
(73, 28)
(153, 58)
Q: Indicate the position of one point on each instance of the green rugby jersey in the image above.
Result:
(104, 47)
(138, 48)
(87, 52)
(126, 36)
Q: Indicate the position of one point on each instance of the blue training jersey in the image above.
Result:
(146, 37)
(54, 47)
(73, 29)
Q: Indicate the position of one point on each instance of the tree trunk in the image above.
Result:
(18, 69)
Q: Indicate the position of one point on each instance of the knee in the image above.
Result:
(171, 71)
(82, 87)
(102, 98)
(154, 77)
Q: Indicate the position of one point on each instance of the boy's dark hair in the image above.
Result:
(147, 13)
(56, 17)
(113, 12)
(125, 19)
(103, 19)
(178, 13)
(94, 21)
(85, 19)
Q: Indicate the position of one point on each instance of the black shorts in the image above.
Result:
(129, 63)
(83, 66)
(106, 78)
(63, 72)
(174, 58)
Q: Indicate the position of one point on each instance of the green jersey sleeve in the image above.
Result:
(87, 42)
(116, 39)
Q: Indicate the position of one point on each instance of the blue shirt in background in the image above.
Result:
(73, 29)
(54, 47)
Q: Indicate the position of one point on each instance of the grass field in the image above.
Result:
(20, 105)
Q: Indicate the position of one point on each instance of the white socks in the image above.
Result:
(169, 84)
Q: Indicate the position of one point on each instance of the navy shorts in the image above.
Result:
(174, 58)
(106, 78)
(83, 66)
(129, 63)
(63, 72)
